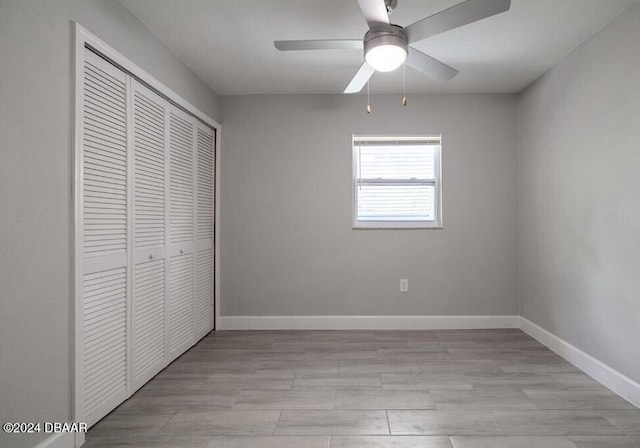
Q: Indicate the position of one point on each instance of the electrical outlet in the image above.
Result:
(404, 285)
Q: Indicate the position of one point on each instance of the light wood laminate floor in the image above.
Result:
(366, 389)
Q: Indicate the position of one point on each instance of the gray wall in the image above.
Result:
(35, 190)
(579, 197)
(286, 237)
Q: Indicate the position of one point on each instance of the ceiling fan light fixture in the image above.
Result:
(386, 58)
(385, 47)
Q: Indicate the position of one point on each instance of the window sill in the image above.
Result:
(382, 225)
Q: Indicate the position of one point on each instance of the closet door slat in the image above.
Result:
(103, 170)
(105, 333)
(148, 320)
(181, 140)
(149, 167)
(149, 234)
(203, 301)
(180, 310)
(205, 209)
(205, 176)
(105, 244)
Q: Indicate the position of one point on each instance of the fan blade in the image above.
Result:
(374, 11)
(429, 66)
(454, 17)
(360, 79)
(328, 44)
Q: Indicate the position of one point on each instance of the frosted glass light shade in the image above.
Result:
(385, 58)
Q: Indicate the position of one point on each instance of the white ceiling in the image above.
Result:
(229, 43)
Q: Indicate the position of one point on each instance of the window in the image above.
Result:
(396, 182)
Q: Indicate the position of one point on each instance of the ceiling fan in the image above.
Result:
(386, 46)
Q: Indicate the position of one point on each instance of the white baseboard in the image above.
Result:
(366, 322)
(62, 440)
(609, 377)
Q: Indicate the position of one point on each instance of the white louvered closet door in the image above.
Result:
(104, 237)
(181, 142)
(149, 234)
(144, 243)
(205, 209)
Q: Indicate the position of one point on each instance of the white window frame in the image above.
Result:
(436, 223)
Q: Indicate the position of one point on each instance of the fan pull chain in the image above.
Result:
(368, 102)
(404, 84)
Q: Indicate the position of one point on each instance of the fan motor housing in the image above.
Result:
(382, 34)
